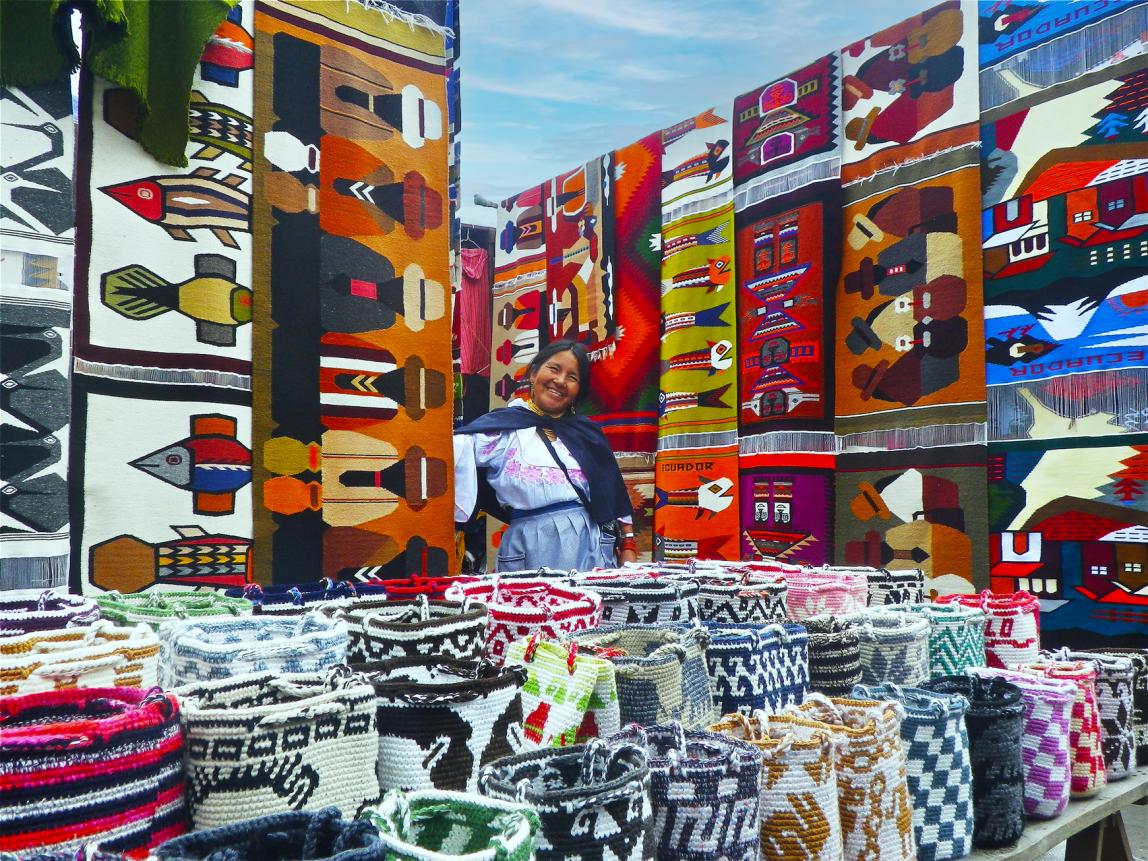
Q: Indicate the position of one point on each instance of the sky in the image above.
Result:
(550, 84)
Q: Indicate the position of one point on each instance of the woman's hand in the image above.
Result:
(625, 556)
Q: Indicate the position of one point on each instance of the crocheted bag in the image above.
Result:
(87, 764)
(84, 853)
(661, 673)
(891, 588)
(872, 783)
(518, 608)
(203, 649)
(894, 647)
(441, 720)
(1139, 658)
(1089, 774)
(834, 656)
(593, 800)
(800, 819)
(956, 636)
(995, 722)
(440, 826)
(568, 698)
(704, 789)
(25, 611)
(1044, 744)
(1012, 625)
(160, 605)
(1114, 676)
(264, 743)
(295, 598)
(636, 601)
(741, 598)
(406, 588)
(938, 767)
(815, 591)
(92, 656)
(294, 836)
(757, 666)
(379, 629)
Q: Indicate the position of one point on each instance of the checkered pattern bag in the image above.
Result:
(747, 598)
(816, 591)
(440, 826)
(318, 836)
(938, 767)
(25, 611)
(518, 608)
(88, 764)
(378, 629)
(834, 656)
(164, 605)
(662, 674)
(440, 720)
(872, 782)
(956, 636)
(1114, 678)
(1089, 774)
(894, 647)
(800, 816)
(92, 656)
(1012, 625)
(593, 800)
(705, 793)
(568, 698)
(296, 598)
(890, 588)
(203, 649)
(995, 723)
(1139, 658)
(642, 601)
(1044, 745)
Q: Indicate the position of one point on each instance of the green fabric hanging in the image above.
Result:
(150, 47)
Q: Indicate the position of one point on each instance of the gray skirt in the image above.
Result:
(565, 540)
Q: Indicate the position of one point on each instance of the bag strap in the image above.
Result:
(582, 497)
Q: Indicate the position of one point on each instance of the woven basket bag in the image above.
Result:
(568, 698)
(704, 789)
(196, 650)
(291, 836)
(661, 674)
(800, 818)
(1044, 744)
(1089, 774)
(440, 720)
(817, 591)
(757, 666)
(407, 588)
(92, 656)
(379, 629)
(265, 743)
(995, 723)
(25, 611)
(1012, 625)
(518, 608)
(593, 800)
(894, 647)
(90, 764)
(938, 767)
(834, 656)
(739, 599)
(295, 598)
(1139, 658)
(1114, 679)
(89, 852)
(433, 825)
(872, 780)
(160, 605)
(892, 588)
(644, 601)
(956, 636)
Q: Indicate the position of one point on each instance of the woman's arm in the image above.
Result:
(627, 545)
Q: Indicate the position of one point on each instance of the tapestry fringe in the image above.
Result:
(779, 442)
(170, 376)
(696, 205)
(901, 439)
(710, 439)
(411, 19)
(766, 186)
(637, 458)
(34, 572)
(1122, 395)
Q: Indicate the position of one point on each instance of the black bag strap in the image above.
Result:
(582, 497)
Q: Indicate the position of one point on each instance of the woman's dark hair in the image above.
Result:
(553, 349)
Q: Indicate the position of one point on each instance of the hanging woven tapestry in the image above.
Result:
(352, 343)
(162, 334)
(695, 504)
(923, 508)
(787, 507)
(36, 236)
(1066, 260)
(520, 297)
(1069, 524)
(1028, 45)
(786, 133)
(638, 476)
(910, 90)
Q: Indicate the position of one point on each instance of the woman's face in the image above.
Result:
(555, 384)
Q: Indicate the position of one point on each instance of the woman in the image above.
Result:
(546, 471)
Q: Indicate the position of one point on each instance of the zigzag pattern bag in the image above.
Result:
(738, 599)
(92, 656)
(379, 629)
(1012, 625)
(956, 636)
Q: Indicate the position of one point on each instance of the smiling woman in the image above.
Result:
(548, 472)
